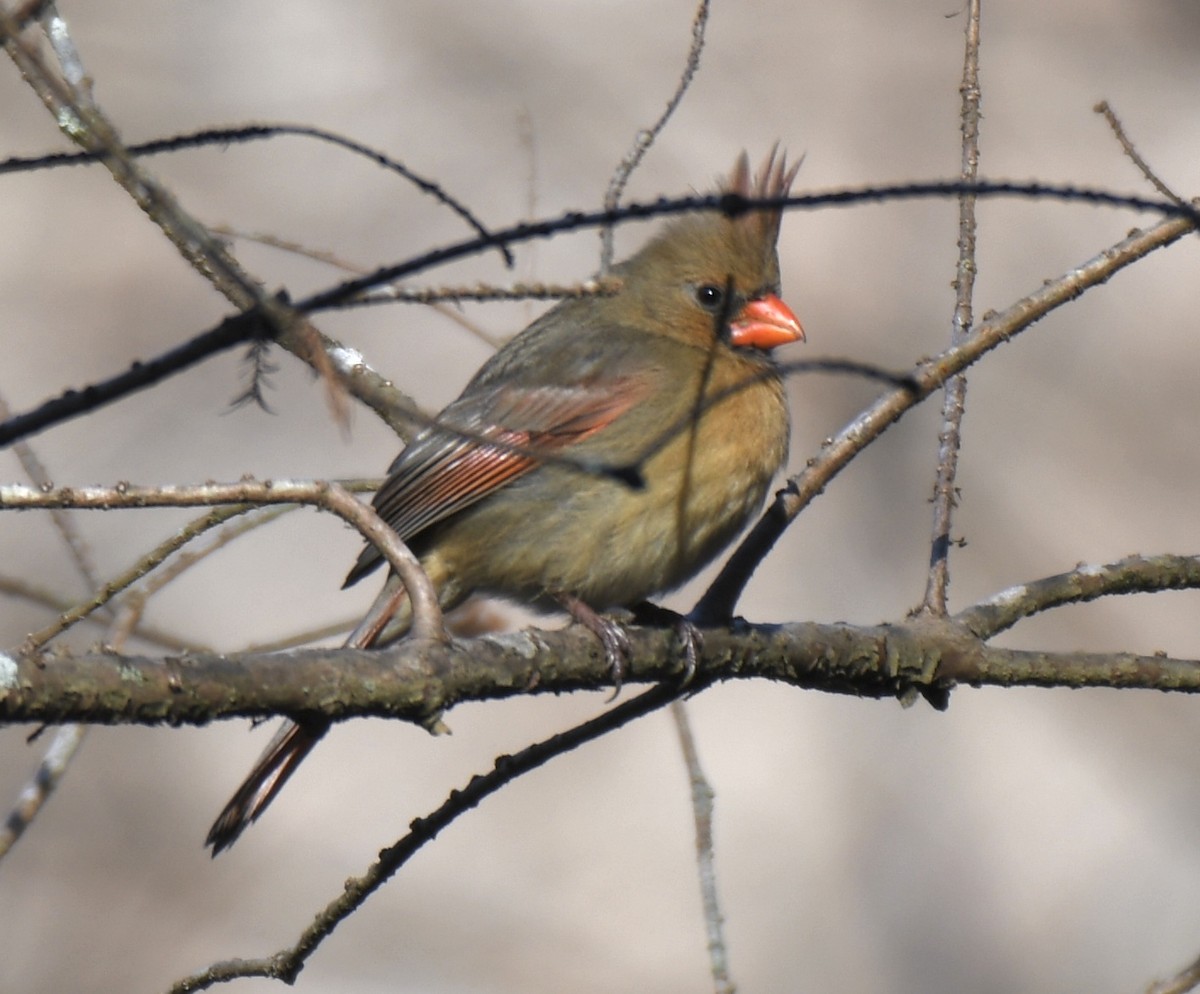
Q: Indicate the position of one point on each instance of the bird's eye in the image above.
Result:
(710, 297)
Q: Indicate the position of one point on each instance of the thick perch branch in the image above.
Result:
(416, 679)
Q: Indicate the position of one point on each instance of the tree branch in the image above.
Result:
(955, 395)
(415, 679)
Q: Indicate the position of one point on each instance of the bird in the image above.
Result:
(669, 381)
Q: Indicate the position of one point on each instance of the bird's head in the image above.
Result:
(718, 273)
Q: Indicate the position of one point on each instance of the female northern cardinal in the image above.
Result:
(670, 377)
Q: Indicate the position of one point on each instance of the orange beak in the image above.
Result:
(765, 323)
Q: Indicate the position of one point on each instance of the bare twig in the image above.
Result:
(68, 738)
(34, 795)
(81, 119)
(702, 812)
(40, 478)
(485, 292)
(427, 623)
(63, 747)
(645, 138)
(27, 591)
(1135, 574)
(398, 410)
(734, 204)
(259, 132)
(435, 297)
(287, 964)
(1131, 151)
(186, 560)
(64, 50)
(955, 395)
(105, 593)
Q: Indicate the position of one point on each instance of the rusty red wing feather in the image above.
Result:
(444, 472)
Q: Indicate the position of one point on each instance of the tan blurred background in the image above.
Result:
(1022, 841)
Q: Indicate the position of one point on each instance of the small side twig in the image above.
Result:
(1131, 151)
(39, 476)
(645, 138)
(702, 812)
(34, 795)
(945, 489)
(106, 592)
(24, 590)
(1135, 574)
(427, 616)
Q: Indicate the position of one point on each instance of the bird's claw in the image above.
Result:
(617, 648)
(691, 640)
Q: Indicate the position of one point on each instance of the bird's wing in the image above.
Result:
(451, 465)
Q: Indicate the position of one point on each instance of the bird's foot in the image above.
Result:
(611, 634)
(691, 640)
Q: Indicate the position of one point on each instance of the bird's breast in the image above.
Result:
(706, 466)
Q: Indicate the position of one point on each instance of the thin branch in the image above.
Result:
(73, 403)
(105, 593)
(259, 132)
(72, 611)
(427, 623)
(39, 476)
(1133, 575)
(436, 298)
(230, 533)
(63, 747)
(59, 37)
(287, 963)
(34, 795)
(702, 813)
(645, 138)
(382, 395)
(733, 205)
(486, 292)
(81, 119)
(1131, 151)
(955, 394)
(24, 590)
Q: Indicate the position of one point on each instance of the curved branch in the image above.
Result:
(646, 137)
(1133, 575)
(427, 615)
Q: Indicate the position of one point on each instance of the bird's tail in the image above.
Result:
(388, 615)
(278, 762)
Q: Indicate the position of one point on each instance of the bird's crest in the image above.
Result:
(773, 179)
